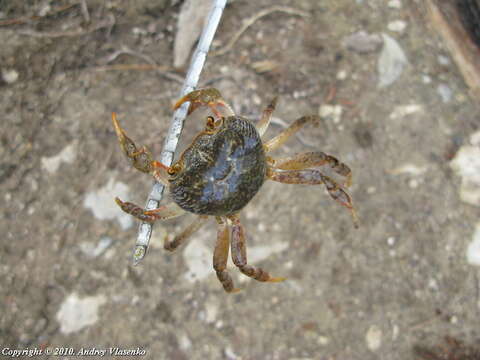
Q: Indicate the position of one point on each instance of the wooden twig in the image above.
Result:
(124, 67)
(152, 65)
(251, 20)
(25, 19)
(459, 43)
(109, 22)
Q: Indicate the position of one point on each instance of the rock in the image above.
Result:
(445, 92)
(394, 4)
(184, 342)
(374, 338)
(473, 249)
(333, 112)
(198, 258)
(404, 110)
(230, 355)
(397, 26)
(466, 164)
(76, 313)
(102, 203)
(363, 42)
(67, 155)
(9, 75)
(391, 63)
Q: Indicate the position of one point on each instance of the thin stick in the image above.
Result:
(176, 126)
(152, 65)
(25, 19)
(109, 22)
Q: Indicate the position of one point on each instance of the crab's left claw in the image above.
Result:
(210, 97)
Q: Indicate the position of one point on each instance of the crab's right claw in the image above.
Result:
(210, 97)
(141, 158)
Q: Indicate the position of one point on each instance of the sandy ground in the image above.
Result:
(402, 279)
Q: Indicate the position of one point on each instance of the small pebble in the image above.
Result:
(395, 332)
(374, 338)
(256, 99)
(44, 10)
(362, 42)
(211, 310)
(475, 138)
(404, 110)
(67, 155)
(445, 92)
(101, 202)
(9, 75)
(394, 4)
(454, 320)
(77, 313)
(331, 111)
(473, 249)
(371, 190)
(230, 354)
(391, 240)
(413, 183)
(397, 26)
(341, 75)
(426, 79)
(184, 342)
(432, 284)
(139, 31)
(466, 164)
(443, 60)
(323, 340)
(391, 62)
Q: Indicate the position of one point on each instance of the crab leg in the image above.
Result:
(210, 97)
(315, 177)
(291, 130)
(266, 117)
(239, 254)
(185, 234)
(220, 256)
(141, 158)
(313, 159)
(168, 211)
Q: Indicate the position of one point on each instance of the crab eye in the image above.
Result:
(210, 123)
(213, 124)
(174, 169)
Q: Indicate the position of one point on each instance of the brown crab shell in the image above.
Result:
(221, 172)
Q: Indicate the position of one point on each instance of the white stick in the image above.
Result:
(176, 126)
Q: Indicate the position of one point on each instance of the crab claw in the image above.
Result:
(210, 97)
(141, 158)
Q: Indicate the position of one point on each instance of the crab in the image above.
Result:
(222, 170)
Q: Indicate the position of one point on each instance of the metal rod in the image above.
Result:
(176, 126)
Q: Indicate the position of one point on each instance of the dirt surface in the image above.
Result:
(399, 281)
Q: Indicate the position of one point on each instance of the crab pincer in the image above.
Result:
(205, 97)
